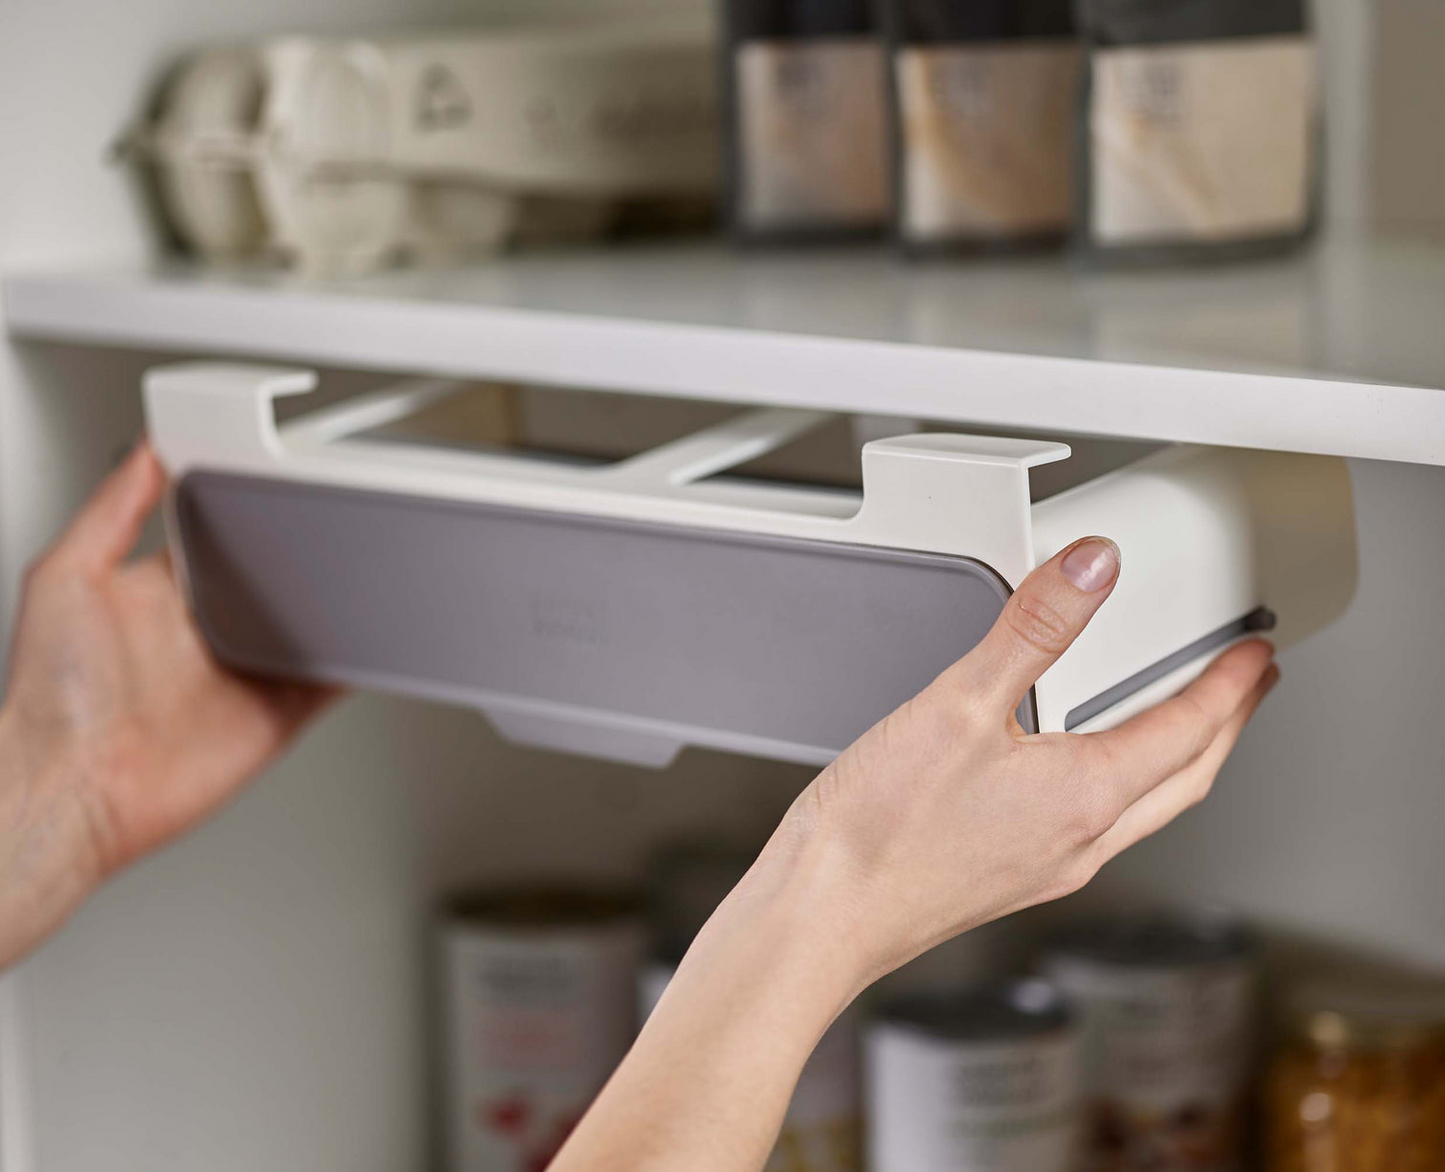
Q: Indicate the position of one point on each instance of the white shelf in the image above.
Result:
(1339, 351)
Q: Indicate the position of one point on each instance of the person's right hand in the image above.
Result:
(941, 817)
(946, 814)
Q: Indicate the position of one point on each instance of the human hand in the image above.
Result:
(941, 817)
(946, 814)
(119, 730)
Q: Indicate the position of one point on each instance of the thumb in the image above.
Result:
(1040, 621)
(106, 528)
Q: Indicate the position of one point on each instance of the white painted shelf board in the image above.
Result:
(1340, 350)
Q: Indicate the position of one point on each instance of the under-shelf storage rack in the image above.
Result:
(630, 609)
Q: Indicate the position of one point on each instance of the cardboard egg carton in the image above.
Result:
(340, 156)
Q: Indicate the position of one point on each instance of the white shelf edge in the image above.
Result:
(735, 364)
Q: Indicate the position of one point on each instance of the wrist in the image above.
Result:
(776, 940)
(48, 860)
(708, 1081)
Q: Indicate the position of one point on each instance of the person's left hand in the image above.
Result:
(119, 730)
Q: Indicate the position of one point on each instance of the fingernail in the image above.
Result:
(1092, 564)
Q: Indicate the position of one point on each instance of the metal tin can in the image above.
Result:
(982, 1081)
(1168, 1008)
(539, 1007)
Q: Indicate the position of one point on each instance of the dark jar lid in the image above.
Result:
(542, 905)
(1157, 940)
(995, 1012)
(1355, 1017)
(798, 19)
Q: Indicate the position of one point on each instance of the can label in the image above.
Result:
(536, 1023)
(1166, 1059)
(1010, 1106)
(821, 1132)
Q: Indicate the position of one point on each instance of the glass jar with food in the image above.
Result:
(1359, 1086)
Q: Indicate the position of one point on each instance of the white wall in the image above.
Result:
(1407, 156)
(253, 996)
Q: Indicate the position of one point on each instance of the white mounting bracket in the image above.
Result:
(939, 493)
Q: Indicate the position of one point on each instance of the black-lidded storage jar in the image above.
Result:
(984, 107)
(1200, 128)
(806, 120)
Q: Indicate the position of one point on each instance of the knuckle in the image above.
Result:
(1102, 758)
(1197, 726)
(1089, 815)
(1038, 624)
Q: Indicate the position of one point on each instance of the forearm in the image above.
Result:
(43, 876)
(708, 1082)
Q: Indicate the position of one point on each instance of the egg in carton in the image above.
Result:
(342, 156)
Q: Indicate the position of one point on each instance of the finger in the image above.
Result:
(1157, 744)
(1190, 785)
(1039, 622)
(107, 527)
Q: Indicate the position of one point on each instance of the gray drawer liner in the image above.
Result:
(626, 639)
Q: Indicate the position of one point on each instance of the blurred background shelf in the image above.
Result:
(1335, 351)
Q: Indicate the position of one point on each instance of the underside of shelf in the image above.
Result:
(1335, 352)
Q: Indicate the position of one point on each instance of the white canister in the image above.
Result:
(1167, 1005)
(539, 1008)
(982, 1081)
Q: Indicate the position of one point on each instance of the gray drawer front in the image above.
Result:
(706, 637)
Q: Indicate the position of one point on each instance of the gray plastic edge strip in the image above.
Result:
(1261, 618)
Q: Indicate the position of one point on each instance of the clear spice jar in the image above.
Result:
(1359, 1087)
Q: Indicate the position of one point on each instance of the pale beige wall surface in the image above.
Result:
(1346, 29)
(1407, 156)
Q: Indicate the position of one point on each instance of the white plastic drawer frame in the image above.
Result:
(628, 610)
